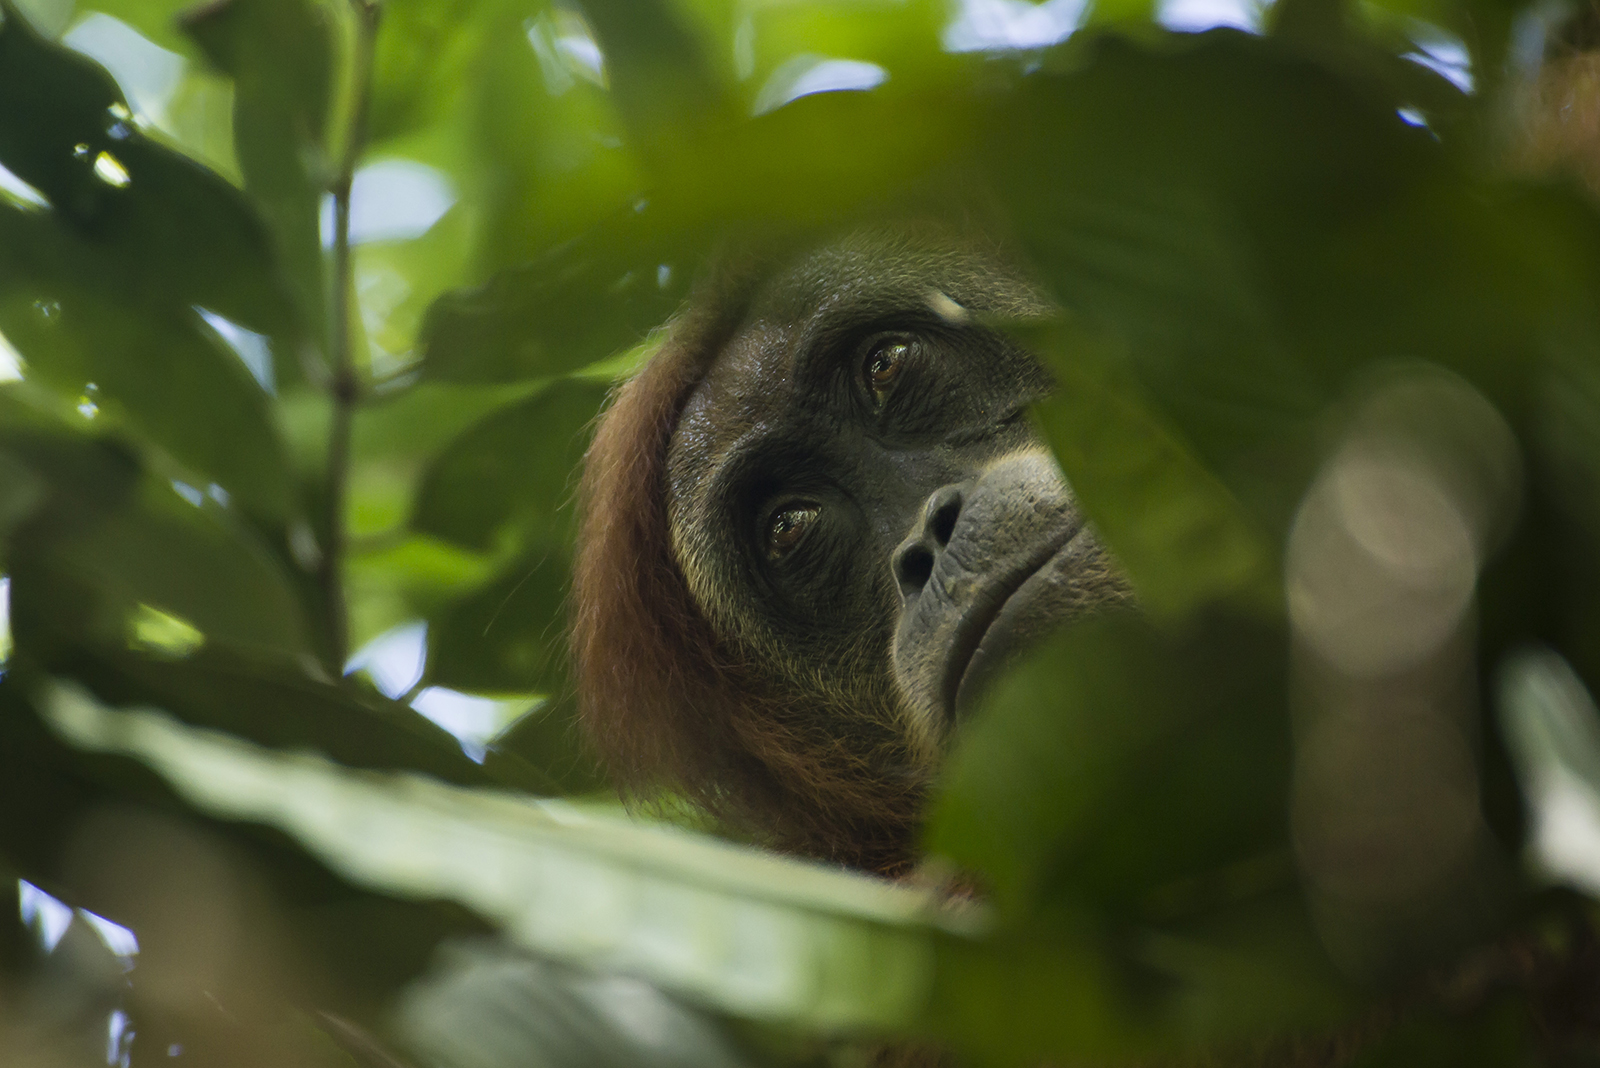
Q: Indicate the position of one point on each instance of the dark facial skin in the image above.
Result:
(855, 487)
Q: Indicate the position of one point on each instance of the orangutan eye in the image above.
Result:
(883, 364)
(787, 527)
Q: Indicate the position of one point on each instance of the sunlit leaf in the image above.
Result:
(280, 54)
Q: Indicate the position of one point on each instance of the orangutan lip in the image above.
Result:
(977, 620)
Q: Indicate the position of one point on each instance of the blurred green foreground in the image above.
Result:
(306, 307)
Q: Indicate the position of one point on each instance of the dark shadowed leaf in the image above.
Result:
(516, 466)
(161, 367)
(658, 69)
(1077, 776)
(159, 225)
(508, 635)
(277, 704)
(1124, 794)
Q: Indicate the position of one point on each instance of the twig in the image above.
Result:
(343, 386)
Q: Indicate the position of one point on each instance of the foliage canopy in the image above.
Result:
(311, 304)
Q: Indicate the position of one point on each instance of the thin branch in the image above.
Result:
(343, 386)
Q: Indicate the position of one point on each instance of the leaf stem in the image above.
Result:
(343, 386)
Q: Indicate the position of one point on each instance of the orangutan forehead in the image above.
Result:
(826, 295)
(871, 272)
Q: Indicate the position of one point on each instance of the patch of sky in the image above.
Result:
(1011, 25)
(109, 169)
(49, 919)
(473, 720)
(19, 193)
(391, 200)
(1197, 16)
(394, 661)
(119, 940)
(252, 348)
(46, 917)
(147, 73)
(566, 50)
(10, 361)
(807, 74)
(189, 493)
(5, 620)
(1441, 52)
(119, 1040)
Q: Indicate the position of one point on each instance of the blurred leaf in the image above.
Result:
(399, 580)
(745, 931)
(656, 68)
(280, 54)
(550, 739)
(517, 465)
(102, 540)
(577, 304)
(559, 1016)
(364, 945)
(1177, 530)
(188, 564)
(1250, 984)
(1124, 795)
(1080, 774)
(70, 479)
(1499, 1035)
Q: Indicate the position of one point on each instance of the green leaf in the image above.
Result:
(281, 55)
(508, 635)
(226, 688)
(549, 738)
(578, 303)
(1124, 795)
(1081, 773)
(518, 466)
(158, 365)
(1182, 537)
(657, 68)
(362, 944)
(735, 928)
(103, 541)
